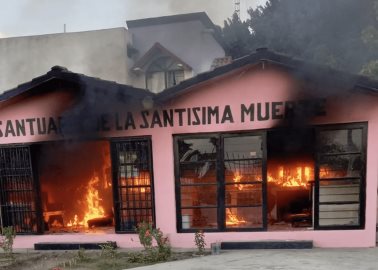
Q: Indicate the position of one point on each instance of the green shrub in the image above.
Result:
(147, 234)
(8, 235)
(144, 231)
(108, 251)
(199, 240)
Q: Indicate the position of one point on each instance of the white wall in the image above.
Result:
(100, 53)
(190, 41)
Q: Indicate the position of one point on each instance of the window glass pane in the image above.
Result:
(244, 217)
(199, 218)
(198, 172)
(338, 141)
(339, 202)
(195, 150)
(243, 170)
(339, 214)
(339, 166)
(243, 147)
(243, 194)
(199, 195)
(174, 77)
(155, 81)
(336, 192)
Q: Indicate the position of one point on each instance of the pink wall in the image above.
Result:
(244, 87)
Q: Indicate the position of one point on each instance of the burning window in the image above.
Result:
(201, 203)
(134, 187)
(76, 186)
(290, 178)
(243, 170)
(274, 180)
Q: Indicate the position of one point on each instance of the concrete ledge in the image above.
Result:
(71, 246)
(268, 245)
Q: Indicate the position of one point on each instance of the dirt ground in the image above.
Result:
(78, 260)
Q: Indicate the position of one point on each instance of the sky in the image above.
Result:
(35, 17)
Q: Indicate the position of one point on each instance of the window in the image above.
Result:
(219, 182)
(242, 182)
(243, 171)
(133, 183)
(341, 169)
(163, 72)
(18, 192)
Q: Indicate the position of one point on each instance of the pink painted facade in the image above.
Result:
(243, 86)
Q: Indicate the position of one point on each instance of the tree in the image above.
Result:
(237, 37)
(370, 38)
(328, 32)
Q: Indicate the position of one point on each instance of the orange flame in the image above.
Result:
(93, 203)
(237, 178)
(292, 176)
(233, 219)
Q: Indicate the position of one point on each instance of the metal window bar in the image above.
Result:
(133, 184)
(17, 192)
(359, 220)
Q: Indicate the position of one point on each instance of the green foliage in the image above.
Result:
(371, 69)
(8, 235)
(370, 38)
(144, 231)
(199, 240)
(82, 256)
(237, 37)
(147, 236)
(339, 33)
(108, 251)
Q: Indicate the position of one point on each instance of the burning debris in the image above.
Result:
(94, 209)
(82, 197)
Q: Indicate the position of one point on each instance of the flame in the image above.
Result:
(93, 203)
(233, 219)
(236, 179)
(292, 176)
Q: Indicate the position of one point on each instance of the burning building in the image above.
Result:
(265, 148)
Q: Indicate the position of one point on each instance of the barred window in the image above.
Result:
(18, 204)
(133, 183)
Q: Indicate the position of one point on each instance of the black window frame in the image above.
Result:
(172, 72)
(263, 133)
(115, 175)
(362, 178)
(221, 181)
(28, 169)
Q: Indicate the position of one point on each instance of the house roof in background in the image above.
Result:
(156, 49)
(321, 74)
(197, 16)
(82, 81)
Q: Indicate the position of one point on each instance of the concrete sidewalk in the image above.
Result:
(312, 259)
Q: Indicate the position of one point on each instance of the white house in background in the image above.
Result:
(153, 53)
(173, 48)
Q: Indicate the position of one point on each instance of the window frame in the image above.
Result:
(30, 172)
(221, 178)
(221, 181)
(115, 174)
(362, 185)
(168, 67)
